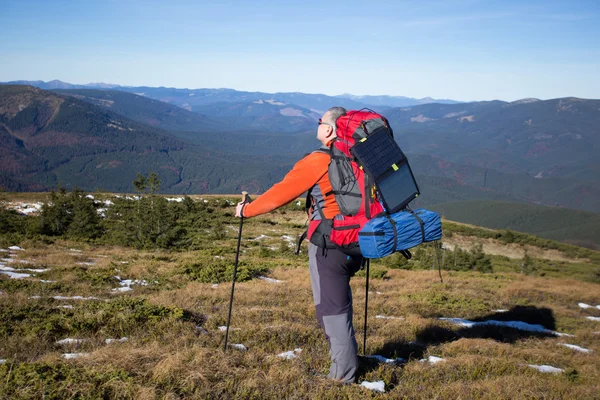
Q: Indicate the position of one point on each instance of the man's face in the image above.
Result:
(325, 129)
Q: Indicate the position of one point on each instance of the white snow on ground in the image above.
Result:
(67, 306)
(69, 356)
(546, 368)
(177, 199)
(15, 275)
(27, 208)
(501, 310)
(388, 317)
(575, 347)
(378, 386)
(75, 251)
(38, 270)
(224, 328)
(524, 326)
(583, 305)
(45, 281)
(201, 330)
(214, 286)
(122, 340)
(70, 341)
(2, 361)
(288, 355)
(89, 196)
(239, 346)
(384, 360)
(127, 283)
(433, 359)
(15, 248)
(260, 237)
(594, 318)
(289, 239)
(85, 263)
(270, 280)
(74, 298)
(122, 289)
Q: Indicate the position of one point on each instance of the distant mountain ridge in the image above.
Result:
(183, 97)
(533, 151)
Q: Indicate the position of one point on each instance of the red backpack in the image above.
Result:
(354, 191)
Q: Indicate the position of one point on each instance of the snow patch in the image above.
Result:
(524, 326)
(289, 355)
(260, 237)
(2, 361)
(201, 330)
(270, 280)
(388, 317)
(15, 248)
(70, 356)
(176, 199)
(70, 341)
(74, 298)
(45, 281)
(385, 360)
(501, 310)
(214, 286)
(239, 346)
(584, 306)
(577, 348)
(594, 318)
(16, 275)
(433, 360)
(546, 368)
(378, 386)
(288, 239)
(223, 328)
(122, 340)
(291, 112)
(275, 102)
(420, 118)
(122, 289)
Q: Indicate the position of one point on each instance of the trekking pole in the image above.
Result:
(438, 246)
(367, 263)
(245, 199)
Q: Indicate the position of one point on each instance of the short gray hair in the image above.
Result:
(335, 113)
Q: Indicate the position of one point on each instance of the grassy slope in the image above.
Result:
(166, 356)
(574, 226)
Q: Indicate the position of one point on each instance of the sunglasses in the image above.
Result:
(323, 123)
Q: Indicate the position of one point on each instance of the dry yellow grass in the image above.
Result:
(167, 356)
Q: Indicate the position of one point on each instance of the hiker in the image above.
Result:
(330, 269)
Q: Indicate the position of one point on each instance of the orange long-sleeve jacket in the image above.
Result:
(308, 172)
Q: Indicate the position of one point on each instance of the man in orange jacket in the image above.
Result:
(330, 269)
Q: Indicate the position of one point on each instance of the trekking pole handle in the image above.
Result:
(245, 197)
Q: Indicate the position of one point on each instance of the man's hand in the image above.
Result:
(238, 209)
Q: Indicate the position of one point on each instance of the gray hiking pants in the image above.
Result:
(330, 272)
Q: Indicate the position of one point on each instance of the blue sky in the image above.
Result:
(458, 49)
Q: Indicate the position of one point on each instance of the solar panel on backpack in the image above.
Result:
(381, 157)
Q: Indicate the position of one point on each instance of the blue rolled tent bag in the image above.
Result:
(384, 235)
